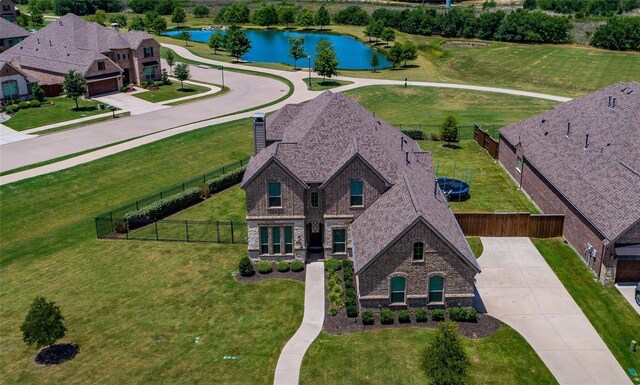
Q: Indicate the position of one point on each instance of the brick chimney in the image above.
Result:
(115, 27)
(259, 132)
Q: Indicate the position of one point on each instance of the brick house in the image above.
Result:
(106, 58)
(8, 11)
(582, 159)
(14, 83)
(10, 34)
(330, 180)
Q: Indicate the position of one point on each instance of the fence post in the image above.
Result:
(156, 224)
(183, 187)
(218, 231)
(111, 216)
(240, 162)
(232, 241)
(186, 225)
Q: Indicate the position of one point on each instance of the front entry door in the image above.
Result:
(316, 240)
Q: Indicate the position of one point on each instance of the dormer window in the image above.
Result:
(101, 66)
(357, 193)
(275, 194)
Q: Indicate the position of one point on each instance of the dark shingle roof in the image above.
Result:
(603, 180)
(8, 30)
(28, 77)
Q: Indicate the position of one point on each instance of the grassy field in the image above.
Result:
(390, 357)
(317, 84)
(63, 109)
(609, 313)
(171, 91)
(230, 205)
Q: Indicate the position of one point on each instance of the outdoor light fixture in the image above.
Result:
(309, 57)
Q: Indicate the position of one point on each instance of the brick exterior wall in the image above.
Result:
(439, 259)
(577, 230)
(292, 194)
(137, 69)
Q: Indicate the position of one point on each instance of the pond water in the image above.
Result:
(273, 47)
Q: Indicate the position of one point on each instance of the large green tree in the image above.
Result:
(325, 63)
(137, 24)
(445, 359)
(265, 15)
(160, 25)
(179, 16)
(44, 324)
(237, 43)
(216, 42)
(388, 34)
(74, 86)
(286, 16)
(322, 17)
(182, 73)
(296, 49)
(305, 18)
(201, 11)
(395, 55)
(234, 13)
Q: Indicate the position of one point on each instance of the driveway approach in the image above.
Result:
(519, 288)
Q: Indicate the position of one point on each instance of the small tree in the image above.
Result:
(449, 128)
(171, 60)
(246, 267)
(74, 86)
(445, 359)
(165, 77)
(377, 28)
(179, 16)
(216, 42)
(44, 324)
(99, 17)
(182, 73)
(375, 61)
(325, 63)
(305, 18)
(37, 17)
(286, 15)
(201, 11)
(150, 19)
(296, 49)
(322, 17)
(395, 55)
(237, 43)
(38, 92)
(409, 52)
(266, 15)
(137, 24)
(186, 36)
(388, 34)
(160, 25)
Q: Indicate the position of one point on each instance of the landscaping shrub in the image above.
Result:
(11, 109)
(283, 267)
(225, 181)
(437, 315)
(462, 314)
(124, 89)
(421, 315)
(297, 266)
(404, 316)
(352, 309)
(386, 317)
(367, 317)
(264, 267)
(334, 297)
(414, 134)
(23, 105)
(332, 265)
(435, 136)
(333, 310)
(350, 289)
(163, 207)
(246, 267)
(35, 103)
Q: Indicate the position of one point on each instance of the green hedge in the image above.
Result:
(350, 289)
(414, 134)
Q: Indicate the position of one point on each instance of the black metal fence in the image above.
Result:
(465, 131)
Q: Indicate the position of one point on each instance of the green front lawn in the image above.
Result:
(394, 357)
(476, 246)
(171, 91)
(318, 84)
(607, 310)
(61, 109)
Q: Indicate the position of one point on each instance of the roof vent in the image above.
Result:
(610, 97)
(546, 133)
(50, 45)
(629, 92)
(586, 141)
(407, 157)
(568, 127)
(402, 143)
(613, 104)
(38, 39)
(60, 22)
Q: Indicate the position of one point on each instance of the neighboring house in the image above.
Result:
(330, 180)
(8, 11)
(582, 159)
(106, 58)
(10, 34)
(15, 84)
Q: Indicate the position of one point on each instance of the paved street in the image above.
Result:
(519, 288)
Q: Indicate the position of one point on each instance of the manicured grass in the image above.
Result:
(491, 187)
(429, 106)
(394, 357)
(317, 84)
(229, 205)
(62, 109)
(607, 310)
(171, 91)
(476, 246)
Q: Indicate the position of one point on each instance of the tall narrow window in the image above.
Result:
(264, 240)
(275, 236)
(436, 289)
(519, 163)
(288, 240)
(314, 200)
(275, 194)
(100, 66)
(357, 193)
(10, 89)
(418, 251)
(148, 51)
(339, 241)
(398, 289)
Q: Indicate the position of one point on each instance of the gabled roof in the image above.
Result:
(8, 30)
(414, 198)
(603, 180)
(17, 68)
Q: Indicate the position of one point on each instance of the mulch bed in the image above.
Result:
(57, 354)
(299, 276)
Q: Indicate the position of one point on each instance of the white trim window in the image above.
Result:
(356, 190)
(519, 162)
(436, 289)
(274, 194)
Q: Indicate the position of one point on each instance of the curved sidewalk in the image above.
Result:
(288, 368)
(518, 287)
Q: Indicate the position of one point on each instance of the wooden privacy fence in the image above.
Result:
(486, 141)
(511, 224)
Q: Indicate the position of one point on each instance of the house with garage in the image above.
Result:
(582, 159)
(331, 180)
(15, 84)
(107, 58)
(10, 34)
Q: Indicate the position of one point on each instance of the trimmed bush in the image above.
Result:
(264, 267)
(246, 267)
(421, 315)
(23, 105)
(35, 103)
(404, 316)
(352, 310)
(333, 310)
(297, 266)
(463, 314)
(225, 181)
(437, 315)
(349, 289)
(414, 134)
(11, 109)
(283, 267)
(332, 265)
(386, 317)
(367, 317)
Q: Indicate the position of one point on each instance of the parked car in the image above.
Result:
(638, 293)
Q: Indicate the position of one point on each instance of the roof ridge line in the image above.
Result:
(411, 194)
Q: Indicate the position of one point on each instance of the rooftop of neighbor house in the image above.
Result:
(589, 150)
(28, 77)
(71, 43)
(8, 30)
(315, 140)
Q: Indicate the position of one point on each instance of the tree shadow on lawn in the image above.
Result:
(452, 146)
(57, 354)
(186, 90)
(329, 83)
(85, 109)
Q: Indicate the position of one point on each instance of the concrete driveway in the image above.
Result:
(126, 101)
(628, 291)
(518, 287)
